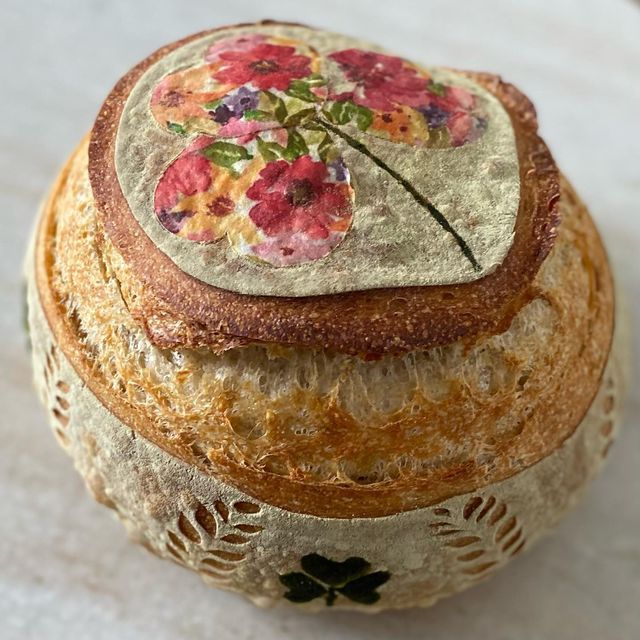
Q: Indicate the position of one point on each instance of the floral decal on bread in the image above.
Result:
(262, 164)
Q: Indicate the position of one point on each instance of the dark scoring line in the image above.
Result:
(417, 196)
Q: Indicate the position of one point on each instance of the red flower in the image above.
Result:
(297, 198)
(381, 81)
(266, 66)
(188, 175)
(220, 207)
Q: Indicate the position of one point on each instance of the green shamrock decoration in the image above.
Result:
(327, 578)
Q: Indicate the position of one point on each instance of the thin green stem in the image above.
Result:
(417, 196)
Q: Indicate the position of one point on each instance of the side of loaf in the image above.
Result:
(326, 433)
(237, 542)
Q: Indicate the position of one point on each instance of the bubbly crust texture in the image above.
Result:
(178, 310)
(319, 431)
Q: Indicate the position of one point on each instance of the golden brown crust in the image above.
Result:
(373, 322)
(574, 282)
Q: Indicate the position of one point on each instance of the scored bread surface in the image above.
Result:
(183, 310)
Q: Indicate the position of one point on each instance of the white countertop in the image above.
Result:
(66, 567)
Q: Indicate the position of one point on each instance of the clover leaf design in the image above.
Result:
(261, 116)
(328, 579)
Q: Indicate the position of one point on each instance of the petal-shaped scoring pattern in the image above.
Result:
(279, 211)
(243, 87)
(262, 170)
(403, 101)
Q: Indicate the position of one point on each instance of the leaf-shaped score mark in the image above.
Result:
(301, 587)
(283, 197)
(331, 572)
(330, 578)
(267, 94)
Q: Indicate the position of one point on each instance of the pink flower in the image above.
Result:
(266, 66)
(381, 81)
(456, 110)
(188, 175)
(237, 43)
(297, 197)
(238, 128)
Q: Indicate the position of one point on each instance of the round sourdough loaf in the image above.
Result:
(322, 325)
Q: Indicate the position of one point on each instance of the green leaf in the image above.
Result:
(345, 111)
(311, 125)
(342, 112)
(176, 128)
(439, 138)
(316, 80)
(257, 114)
(214, 104)
(364, 117)
(225, 154)
(302, 91)
(301, 587)
(280, 111)
(273, 98)
(331, 572)
(325, 147)
(296, 147)
(269, 150)
(437, 87)
(299, 116)
(363, 589)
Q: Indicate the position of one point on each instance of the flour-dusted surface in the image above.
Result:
(66, 568)
(392, 240)
(199, 521)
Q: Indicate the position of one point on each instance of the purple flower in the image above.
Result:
(339, 170)
(173, 221)
(435, 116)
(235, 104)
(222, 114)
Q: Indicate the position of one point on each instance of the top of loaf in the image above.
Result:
(275, 183)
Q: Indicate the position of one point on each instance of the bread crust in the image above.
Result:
(584, 336)
(237, 543)
(180, 310)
